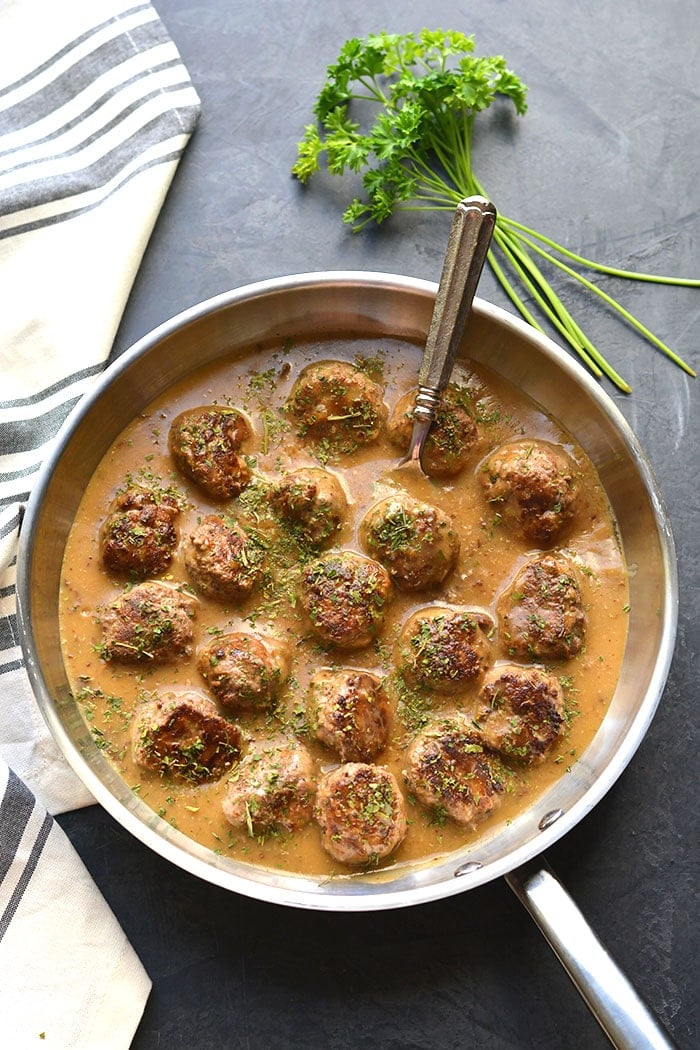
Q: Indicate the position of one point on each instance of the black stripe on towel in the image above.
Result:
(13, 665)
(16, 808)
(50, 220)
(12, 523)
(28, 435)
(49, 391)
(15, 497)
(16, 811)
(9, 632)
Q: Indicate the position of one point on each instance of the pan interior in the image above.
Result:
(367, 305)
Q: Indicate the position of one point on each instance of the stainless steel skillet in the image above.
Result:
(343, 304)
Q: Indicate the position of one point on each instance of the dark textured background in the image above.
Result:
(607, 161)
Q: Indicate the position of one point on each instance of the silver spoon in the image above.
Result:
(465, 255)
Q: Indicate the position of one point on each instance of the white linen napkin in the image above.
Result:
(96, 109)
(69, 975)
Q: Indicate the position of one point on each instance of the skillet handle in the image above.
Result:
(619, 1010)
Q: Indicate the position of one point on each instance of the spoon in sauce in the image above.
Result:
(465, 255)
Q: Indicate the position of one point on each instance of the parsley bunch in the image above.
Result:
(422, 93)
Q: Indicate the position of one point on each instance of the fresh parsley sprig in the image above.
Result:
(421, 94)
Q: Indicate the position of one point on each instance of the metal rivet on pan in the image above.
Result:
(550, 818)
(468, 868)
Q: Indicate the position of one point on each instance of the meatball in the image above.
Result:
(449, 769)
(222, 561)
(533, 487)
(445, 649)
(243, 671)
(360, 811)
(139, 534)
(150, 622)
(415, 542)
(183, 736)
(541, 614)
(521, 713)
(335, 403)
(348, 711)
(312, 504)
(206, 446)
(452, 436)
(271, 790)
(344, 596)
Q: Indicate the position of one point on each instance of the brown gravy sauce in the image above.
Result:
(490, 555)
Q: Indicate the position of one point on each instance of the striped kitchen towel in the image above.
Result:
(96, 109)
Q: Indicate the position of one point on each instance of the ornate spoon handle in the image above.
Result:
(465, 255)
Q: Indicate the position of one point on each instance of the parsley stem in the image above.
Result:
(511, 292)
(614, 271)
(545, 298)
(630, 318)
(428, 177)
(575, 336)
(432, 206)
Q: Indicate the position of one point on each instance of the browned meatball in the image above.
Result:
(206, 446)
(444, 649)
(360, 811)
(183, 736)
(272, 789)
(344, 595)
(348, 711)
(150, 622)
(243, 671)
(541, 614)
(532, 485)
(415, 542)
(312, 504)
(139, 534)
(452, 436)
(449, 769)
(335, 403)
(521, 713)
(222, 561)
